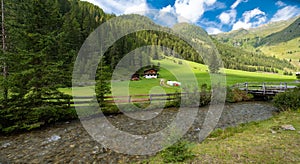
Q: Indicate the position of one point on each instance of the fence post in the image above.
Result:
(264, 88)
(69, 103)
(285, 86)
(246, 84)
(129, 99)
(150, 97)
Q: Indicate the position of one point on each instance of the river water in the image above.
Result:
(69, 141)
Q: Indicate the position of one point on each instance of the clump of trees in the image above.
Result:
(287, 73)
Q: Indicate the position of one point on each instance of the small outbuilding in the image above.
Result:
(151, 73)
(135, 77)
(298, 75)
(173, 83)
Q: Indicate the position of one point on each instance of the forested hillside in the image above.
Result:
(42, 40)
(237, 58)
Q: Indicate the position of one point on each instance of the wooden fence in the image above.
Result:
(143, 98)
(270, 88)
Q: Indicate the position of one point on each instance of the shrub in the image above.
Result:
(178, 152)
(205, 95)
(176, 102)
(289, 100)
(237, 95)
(17, 118)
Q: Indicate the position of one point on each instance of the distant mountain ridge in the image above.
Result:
(260, 31)
(289, 33)
(277, 39)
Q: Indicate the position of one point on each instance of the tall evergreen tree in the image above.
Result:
(38, 67)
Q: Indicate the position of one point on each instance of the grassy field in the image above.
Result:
(251, 143)
(188, 73)
(287, 50)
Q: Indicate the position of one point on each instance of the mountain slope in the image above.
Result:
(277, 39)
(236, 58)
(251, 38)
(284, 44)
(289, 33)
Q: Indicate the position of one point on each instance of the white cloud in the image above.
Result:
(236, 3)
(166, 16)
(286, 13)
(119, 7)
(228, 17)
(216, 5)
(168, 8)
(210, 2)
(143, 7)
(241, 24)
(280, 3)
(252, 13)
(212, 30)
(192, 9)
(207, 22)
(252, 18)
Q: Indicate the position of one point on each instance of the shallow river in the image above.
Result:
(69, 141)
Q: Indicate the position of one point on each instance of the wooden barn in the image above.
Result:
(135, 77)
(151, 73)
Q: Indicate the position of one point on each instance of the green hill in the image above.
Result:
(287, 34)
(289, 51)
(276, 39)
(247, 39)
(284, 44)
(240, 59)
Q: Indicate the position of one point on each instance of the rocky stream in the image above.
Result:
(69, 142)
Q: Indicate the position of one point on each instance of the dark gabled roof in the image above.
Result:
(135, 75)
(152, 69)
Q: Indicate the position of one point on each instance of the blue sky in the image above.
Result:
(214, 16)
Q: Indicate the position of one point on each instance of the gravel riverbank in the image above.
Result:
(69, 142)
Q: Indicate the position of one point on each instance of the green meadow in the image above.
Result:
(289, 50)
(254, 142)
(188, 73)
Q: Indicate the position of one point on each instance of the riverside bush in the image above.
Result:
(16, 118)
(179, 152)
(236, 95)
(289, 100)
